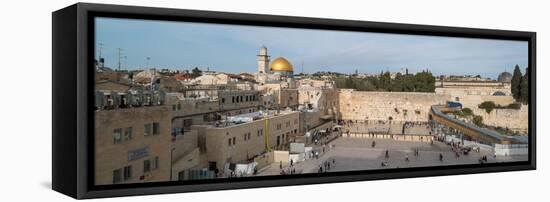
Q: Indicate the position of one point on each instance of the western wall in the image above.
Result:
(397, 106)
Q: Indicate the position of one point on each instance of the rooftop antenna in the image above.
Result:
(153, 73)
(125, 61)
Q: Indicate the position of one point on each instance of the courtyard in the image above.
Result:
(349, 154)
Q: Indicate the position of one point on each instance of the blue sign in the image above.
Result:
(138, 153)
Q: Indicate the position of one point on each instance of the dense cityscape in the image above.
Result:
(170, 124)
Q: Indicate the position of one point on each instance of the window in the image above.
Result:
(146, 165)
(223, 100)
(117, 176)
(147, 130)
(155, 164)
(117, 135)
(234, 140)
(128, 134)
(156, 128)
(233, 99)
(173, 107)
(127, 172)
(229, 142)
(179, 106)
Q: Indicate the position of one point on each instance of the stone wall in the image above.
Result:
(398, 106)
(110, 156)
(514, 119)
(323, 99)
(472, 96)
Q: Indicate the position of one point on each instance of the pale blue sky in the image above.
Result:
(233, 48)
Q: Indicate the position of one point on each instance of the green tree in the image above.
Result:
(524, 87)
(488, 106)
(516, 83)
(349, 83)
(478, 120)
(196, 72)
(467, 111)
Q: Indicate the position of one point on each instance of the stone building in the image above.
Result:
(242, 141)
(132, 145)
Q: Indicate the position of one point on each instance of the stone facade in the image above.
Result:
(470, 96)
(323, 99)
(473, 96)
(397, 106)
(128, 139)
(513, 119)
(240, 142)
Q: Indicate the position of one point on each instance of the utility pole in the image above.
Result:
(302, 66)
(119, 57)
(100, 49)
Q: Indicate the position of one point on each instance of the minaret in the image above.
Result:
(263, 61)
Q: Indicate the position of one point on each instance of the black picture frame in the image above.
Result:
(72, 98)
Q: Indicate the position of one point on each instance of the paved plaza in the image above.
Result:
(348, 154)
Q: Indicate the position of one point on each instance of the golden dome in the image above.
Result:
(281, 64)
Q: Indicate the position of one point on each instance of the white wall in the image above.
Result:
(26, 123)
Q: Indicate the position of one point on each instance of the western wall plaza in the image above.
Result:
(157, 124)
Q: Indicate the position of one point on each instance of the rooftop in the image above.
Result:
(231, 121)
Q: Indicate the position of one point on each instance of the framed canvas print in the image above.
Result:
(155, 100)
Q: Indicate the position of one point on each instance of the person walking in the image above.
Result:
(387, 154)
(407, 158)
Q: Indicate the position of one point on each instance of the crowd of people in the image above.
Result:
(325, 167)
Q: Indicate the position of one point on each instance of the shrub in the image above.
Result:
(467, 111)
(488, 106)
(478, 120)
